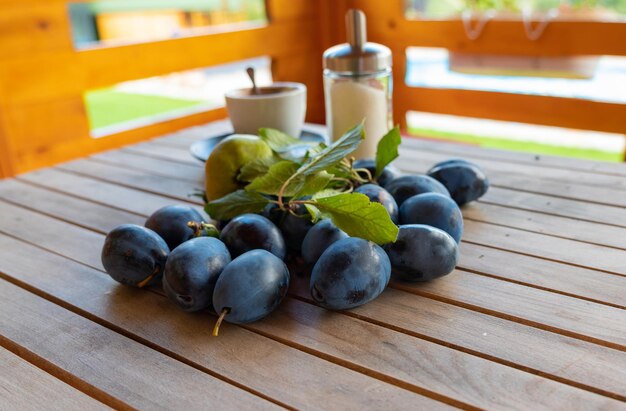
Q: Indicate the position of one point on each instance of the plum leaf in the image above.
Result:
(334, 153)
(256, 168)
(276, 176)
(236, 203)
(355, 214)
(387, 150)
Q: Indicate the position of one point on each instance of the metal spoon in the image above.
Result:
(250, 71)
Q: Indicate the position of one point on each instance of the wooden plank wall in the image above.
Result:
(42, 78)
(387, 25)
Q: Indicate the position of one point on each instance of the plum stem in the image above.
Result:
(216, 329)
(355, 174)
(146, 280)
(349, 183)
(209, 229)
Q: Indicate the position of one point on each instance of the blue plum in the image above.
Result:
(273, 213)
(422, 253)
(464, 180)
(294, 228)
(192, 270)
(252, 231)
(170, 222)
(379, 195)
(251, 287)
(455, 160)
(134, 255)
(319, 238)
(436, 210)
(350, 273)
(407, 186)
(388, 174)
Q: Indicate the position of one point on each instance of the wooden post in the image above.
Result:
(7, 167)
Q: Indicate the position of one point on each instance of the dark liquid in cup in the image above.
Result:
(264, 91)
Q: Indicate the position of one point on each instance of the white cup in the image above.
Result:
(281, 106)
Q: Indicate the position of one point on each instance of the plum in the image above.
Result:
(192, 270)
(319, 238)
(252, 231)
(250, 287)
(464, 180)
(436, 210)
(170, 222)
(407, 186)
(422, 253)
(294, 228)
(134, 255)
(350, 273)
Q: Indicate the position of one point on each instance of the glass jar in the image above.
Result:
(358, 86)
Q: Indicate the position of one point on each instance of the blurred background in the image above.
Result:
(542, 76)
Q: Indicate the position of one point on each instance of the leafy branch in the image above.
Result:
(319, 177)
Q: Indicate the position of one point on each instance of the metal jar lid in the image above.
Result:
(357, 56)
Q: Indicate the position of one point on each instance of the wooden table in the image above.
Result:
(534, 316)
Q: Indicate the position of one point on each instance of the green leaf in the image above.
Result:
(236, 203)
(357, 216)
(314, 183)
(316, 149)
(313, 211)
(329, 192)
(256, 168)
(276, 139)
(334, 153)
(285, 146)
(387, 149)
(276, 176)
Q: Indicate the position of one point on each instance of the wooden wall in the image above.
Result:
(42, 78)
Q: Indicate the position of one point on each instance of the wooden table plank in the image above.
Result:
(152, 183)
(529, 201)
(484, 234)
(111, 195)
(549, 162)
(540, 245)
(520, 324)
(54, 204)
(547, 313)
(565, 359)
(261, 364)
(562, 207)
(165, 168)
(482, 211)
(597, 323)
(110, 367)
(26, 387)
(569, 228)
(584, 283)
(502, 172)
(407, 359)
(588, 172)
(615, 196)
(167, 153)
(497, 381)
(92, 248)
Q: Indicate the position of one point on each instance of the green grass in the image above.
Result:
(524, 146)
(107, 107)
